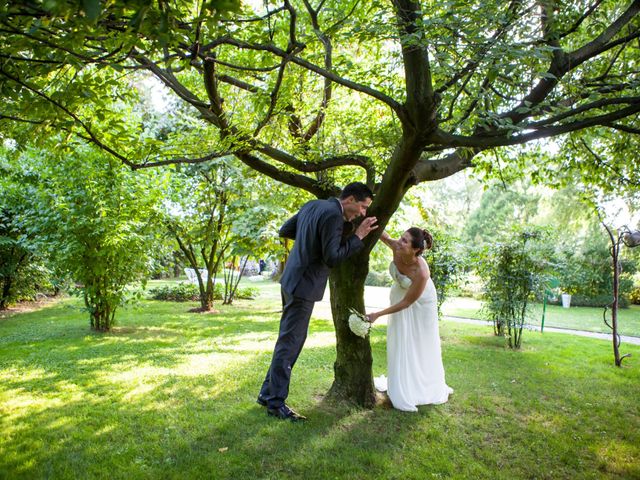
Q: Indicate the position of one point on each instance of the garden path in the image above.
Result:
(376, 298)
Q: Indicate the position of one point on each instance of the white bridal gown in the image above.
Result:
(414, 360)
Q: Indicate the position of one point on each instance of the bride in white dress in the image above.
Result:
(414, 360)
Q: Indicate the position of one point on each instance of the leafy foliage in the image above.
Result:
(15, 257)
(500, 207)
(585, 271)
(378, 278)
(189, 292)
(96, 221)
(447, 263)
(634, 295)
(23, 270)
(512, 272)
(215, 213)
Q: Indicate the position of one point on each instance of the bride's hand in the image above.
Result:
(372, 317)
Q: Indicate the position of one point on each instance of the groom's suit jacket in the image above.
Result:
(317, 230)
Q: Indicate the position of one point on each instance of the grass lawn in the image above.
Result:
(171, 395)
(576, 318)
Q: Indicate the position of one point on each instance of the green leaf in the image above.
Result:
(91, 8)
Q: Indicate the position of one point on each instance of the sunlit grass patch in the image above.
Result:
(171, 394)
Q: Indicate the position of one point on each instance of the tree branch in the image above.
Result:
(472, 64)
(170, 81)
(430, 169)
(420, 103)
(319, 189)
(601, 42)
(274, 99)
(623, 128)
(23, 120)
(582, 18)
(480, 141)
(255, 19)
(581, 109)
(30, 60)
(179, 160)
(246, 69)
(238, 83)
(395, 106)
(92, 137)
(327, 91)
(211, 86)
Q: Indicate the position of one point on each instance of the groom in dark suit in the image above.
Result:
(317, 229)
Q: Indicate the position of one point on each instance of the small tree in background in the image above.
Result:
(198, 218)
(513, 273)
(219, 211)
(95, 218)
(14, 256)
(446, 264)
(254, 234)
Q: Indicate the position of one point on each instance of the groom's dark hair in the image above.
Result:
(359, 191)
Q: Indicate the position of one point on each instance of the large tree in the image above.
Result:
(315, 93)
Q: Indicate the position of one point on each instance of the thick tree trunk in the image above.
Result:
(6, 289)
(353, 379)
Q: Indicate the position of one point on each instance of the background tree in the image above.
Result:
(395, 93)
(512, 272)
(254, 235)
(15, 254)
(216, 214)
(23, 267)
(96, 220)
(198, 221)
(500, 207)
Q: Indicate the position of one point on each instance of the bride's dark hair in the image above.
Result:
(420, 239)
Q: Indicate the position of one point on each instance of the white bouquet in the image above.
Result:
(358, 323)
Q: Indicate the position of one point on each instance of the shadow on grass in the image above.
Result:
(172, 395)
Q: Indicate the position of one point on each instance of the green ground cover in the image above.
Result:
(576, 318)
(170, 394)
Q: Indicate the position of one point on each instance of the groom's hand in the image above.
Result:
(367, 225)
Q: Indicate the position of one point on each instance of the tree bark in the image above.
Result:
(6, 289)
(353, 379)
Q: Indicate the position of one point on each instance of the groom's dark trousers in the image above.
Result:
(317, 229)
(294, 325)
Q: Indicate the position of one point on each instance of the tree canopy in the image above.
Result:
(397, 92)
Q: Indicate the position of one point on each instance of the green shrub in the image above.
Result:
(189, 292)
(247, 293)
(378, 279)
(585, 271)
(634, 295)
(181, 292)
(447, 263)
(513, 274)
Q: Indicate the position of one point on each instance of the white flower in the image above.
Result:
(358, 323)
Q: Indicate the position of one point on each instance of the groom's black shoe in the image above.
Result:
(285, 413)
(261, 401)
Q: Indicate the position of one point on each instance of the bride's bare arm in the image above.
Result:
(388, 241)
(413, 294)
